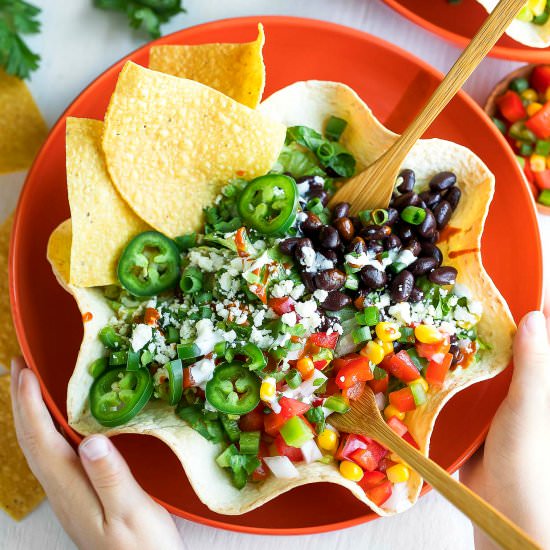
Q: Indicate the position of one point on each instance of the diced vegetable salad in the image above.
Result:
(534, 11)
(523, 117)
(281, 313)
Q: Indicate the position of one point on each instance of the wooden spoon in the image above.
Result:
(373, 187)
(364, 418)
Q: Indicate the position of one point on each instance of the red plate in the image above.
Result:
(458, 24)
(395, 85)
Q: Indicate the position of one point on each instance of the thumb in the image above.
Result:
(118, 491)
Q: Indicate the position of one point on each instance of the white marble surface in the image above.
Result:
(77, 43)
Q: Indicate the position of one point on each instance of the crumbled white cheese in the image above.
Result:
(230, 336)
(202, 371)
(320, 295)
(141, 336)
(308, 257)
(258, 317)
(262, 338)
(282, 289)
(401, 312)
(406, 257)
(289, 318)
(207, 337)
(298, 291)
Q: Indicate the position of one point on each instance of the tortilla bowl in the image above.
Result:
(310, 103)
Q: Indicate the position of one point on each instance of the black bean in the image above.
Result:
(408, 199)
(407, 185)
(375, 247)
(391, 242)
(457, 354)
(442, 181)
(341, 210)
(428, 226)
(416, 295)
(287, 246)
(315, 182)
(372, 277)
(311, 225)
(431, 250)
(356, 223)
(375, 232)
(423, 265)
(299, 248)
(453, 338)
(414, 246)
(321, 194)
(330, 255)
(443, 213)
(401, 286)
(336, 300)
(431, 199)
(403, 231)
(443, 275)
(357, 246)
(453, 196)
(330, 279)
(308, 280)
(432, 239)
(345, 228)
(398, 346)
(329, 237)
(393, 216)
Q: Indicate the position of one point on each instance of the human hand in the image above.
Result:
(512, 471)
(93, 493)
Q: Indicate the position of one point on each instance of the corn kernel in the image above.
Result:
(427, 334)
(386, 346)
(422, 382)
(529, 94)
(305, 367)
(350, 470)
(328, 440)
(373, 352)
(398, 473)
(387, 332)
(537, 163)
(267, 389)
(390, 411)
(533, 108)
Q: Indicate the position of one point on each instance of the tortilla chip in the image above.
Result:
(236, 70)
(22, 128)
(102, 222)
(20, 492)
(9, 347)
(536, 36)
(310, 104)
(171, 144)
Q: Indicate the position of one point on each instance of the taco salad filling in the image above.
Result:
(283, 310)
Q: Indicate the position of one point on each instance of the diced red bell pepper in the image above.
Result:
(261, 472)
(397, 426)
(252, 421)
(401, 366)
(371, 480)
(281, 305)
(428, 351)
(282, 449)
(380, 493)
(436, 371)
(410, 440)
(511, 107)
(539, 123)
(403, 399)
(379, 386)
(320, 365)
(188, 381)
(355, 392)
(529, 174)
(273, 423)
(292, 407)
(345, 360)
(370, 457)
(540, 78)
(542, 179)
(324, 340)
(357, 370)
(350, 443)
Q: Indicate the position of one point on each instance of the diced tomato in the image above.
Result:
(511, 106)
(350, 443)
(355, 370)
(324, 340)
(410, 440)
(428, 351)
(380, 493)
(539, 123)
(379, 386)
(293, 453)
(436, 371)
(252, 421)
(320, 365)
(371, 479)
(273, 423)
(401, 366)
(281, 305)
(151, 316)
(397, 426)
(403, 399)
(370, 457)
(355, 392)
(292, 407)
(261, 471)
(188, 381)
(542, 179)
(540, 78)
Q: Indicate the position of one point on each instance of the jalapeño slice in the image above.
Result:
(118, 395)
(268, 204)
(233, 389)
(149, 264)
(172, 390)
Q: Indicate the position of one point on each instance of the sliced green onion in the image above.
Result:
(334, 128)
(98, 367)
(249, 443)
(315, 205)
(365, 216)
(185, 242)
(361, 334)
(191, 280)
(109, 338)
(325, 152)
(407, 335)
(203, 298)
(352, 282)
(172, 335)
(133, 362)
(370, 316)
(188, 351)
(337, 404)
(380, 216)
(293, 379)
(118, 358)
(413, 215)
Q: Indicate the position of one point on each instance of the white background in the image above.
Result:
(79, 42)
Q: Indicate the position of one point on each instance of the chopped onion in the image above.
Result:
(307, 387)
(281, 467)
(310, 451)
(380, 399)
(399, 500)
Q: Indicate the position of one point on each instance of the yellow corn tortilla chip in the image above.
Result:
(9, 347)
(20, 492)
(236, 70)
(170, 145)
(22, 128)
(102, 222)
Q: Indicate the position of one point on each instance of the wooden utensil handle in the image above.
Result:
(502, 531)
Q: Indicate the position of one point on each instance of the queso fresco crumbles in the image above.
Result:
(281, 313)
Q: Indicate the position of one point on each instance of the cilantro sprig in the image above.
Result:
(18, 18)
(149, 14)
